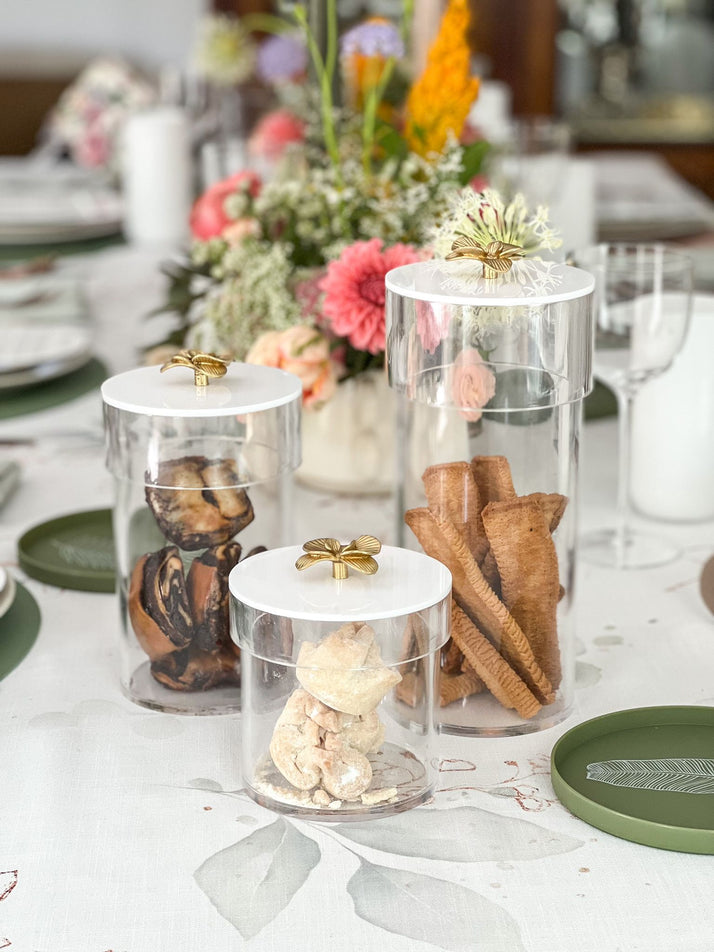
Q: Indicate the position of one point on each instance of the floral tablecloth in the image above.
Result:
(125, 830)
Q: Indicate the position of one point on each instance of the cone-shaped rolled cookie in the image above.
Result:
(553, 506)
(410, 689)
(441, 540)
(520, 539)
(451, 658)
(495, 672)
(451, 493)
(455, 687)
(492, 475)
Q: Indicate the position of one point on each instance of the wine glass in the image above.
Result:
(643, 296)
(532, 158)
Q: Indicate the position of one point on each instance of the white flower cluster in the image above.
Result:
(305, 221)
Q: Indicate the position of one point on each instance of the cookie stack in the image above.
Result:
(499, 549)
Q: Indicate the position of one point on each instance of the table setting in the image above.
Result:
(281, 672)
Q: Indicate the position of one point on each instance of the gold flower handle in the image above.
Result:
(203, 365)
(357, 554)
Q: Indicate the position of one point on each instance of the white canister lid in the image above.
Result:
(405, 582)
(529, 282)
(246, 388)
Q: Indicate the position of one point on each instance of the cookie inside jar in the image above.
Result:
(323, 730)
(178, 602)
(203, 472)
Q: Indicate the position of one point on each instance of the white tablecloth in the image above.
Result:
(124, 830)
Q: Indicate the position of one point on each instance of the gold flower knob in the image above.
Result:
(357, 554)
(497, 256)
(203, 365)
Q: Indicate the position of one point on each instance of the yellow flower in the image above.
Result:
(440, 100)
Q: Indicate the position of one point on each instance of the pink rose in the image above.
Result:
(432, 324)
(473, 384)
(208, 215)
(301, 350)
(274, 132)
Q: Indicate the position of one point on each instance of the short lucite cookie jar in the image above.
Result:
(203, 477)
(339, 676)
(492, 372)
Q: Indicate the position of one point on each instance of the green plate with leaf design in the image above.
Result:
(646, 775)
(74, 551)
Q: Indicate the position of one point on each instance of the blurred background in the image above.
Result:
(625, 74)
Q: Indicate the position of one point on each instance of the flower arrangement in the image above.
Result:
(90, 113)
(289, 271)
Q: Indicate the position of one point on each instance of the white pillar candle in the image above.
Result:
(156, 176)
(672, 465)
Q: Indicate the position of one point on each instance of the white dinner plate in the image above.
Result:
(41, 350)
(44, 204)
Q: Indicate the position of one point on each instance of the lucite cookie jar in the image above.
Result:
(339, 669)
(492, 370)
(203, 474)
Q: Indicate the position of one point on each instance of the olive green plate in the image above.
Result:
(18, 629)
(645, 775)
(40, 396)
(74, 551)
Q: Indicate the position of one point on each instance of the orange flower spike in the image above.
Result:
(440, 100)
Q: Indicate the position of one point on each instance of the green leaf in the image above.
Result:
(252, 881)
(472, 160)
(460, 835)
(422, 908)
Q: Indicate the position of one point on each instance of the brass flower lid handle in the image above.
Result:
(356, 554)
(203, 365)
(497, 256)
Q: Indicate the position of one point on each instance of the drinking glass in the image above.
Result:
(643, 298)
(532, 158)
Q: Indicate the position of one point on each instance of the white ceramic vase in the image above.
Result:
(348, 444)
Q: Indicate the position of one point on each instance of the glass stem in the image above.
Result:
(625, 403)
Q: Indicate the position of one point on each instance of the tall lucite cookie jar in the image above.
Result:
(492, 372)
(203, 476)
(339, 676)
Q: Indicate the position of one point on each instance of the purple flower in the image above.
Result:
(281, 58)
(378, 38)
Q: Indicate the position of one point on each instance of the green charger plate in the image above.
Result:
(645, 775)
(74, 551)
(17, 401)
(19, 627)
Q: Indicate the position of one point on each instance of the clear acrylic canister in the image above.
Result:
(492, 373)
(339, 679)
(203, 478)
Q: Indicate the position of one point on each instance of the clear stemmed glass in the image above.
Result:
(643, 299)
(531, 159)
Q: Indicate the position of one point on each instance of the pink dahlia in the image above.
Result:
(355, 293)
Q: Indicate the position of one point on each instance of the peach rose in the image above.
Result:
(208, 215)
(303, 351)
(473, 384)
(239, 230)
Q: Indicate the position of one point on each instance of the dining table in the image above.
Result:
(125, 829)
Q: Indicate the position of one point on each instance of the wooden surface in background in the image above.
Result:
(24, 103)
(518, 37)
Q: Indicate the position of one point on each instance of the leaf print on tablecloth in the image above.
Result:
(425, 908)
(8, 881)
(459, 835)
(250, 882)
(674, 775)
